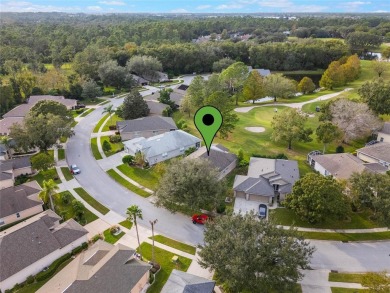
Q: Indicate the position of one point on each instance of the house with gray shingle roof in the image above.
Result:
(268, 180)
(145, 127)
(102, 268)
(30, 246)
(162, 147)
(182, 282)
(20, 202)
(219, 157)
(376, 153)
(9, 169)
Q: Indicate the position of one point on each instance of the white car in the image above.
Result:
(74, 169)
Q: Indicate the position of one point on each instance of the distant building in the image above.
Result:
(162, 147)
(182, 282)
(377, 153)
(341, 166)
(139, 80)
(145, 127)
(30, 246)
(219, 157)
(102, 268)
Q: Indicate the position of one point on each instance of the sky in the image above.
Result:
(194, 6)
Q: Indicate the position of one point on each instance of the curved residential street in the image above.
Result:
(333, 255)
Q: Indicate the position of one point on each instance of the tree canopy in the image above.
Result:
(134, 106)
(376, 94)
(253, 255)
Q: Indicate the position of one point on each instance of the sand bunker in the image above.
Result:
(255, 129)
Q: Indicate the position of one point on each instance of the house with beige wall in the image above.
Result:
(102, 268)
(20, 202)
(30, 246)
(376, 153)
(145, 127)
(9, 169)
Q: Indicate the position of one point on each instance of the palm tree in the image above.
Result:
(49, 188)
(134, 212)
(109, 110)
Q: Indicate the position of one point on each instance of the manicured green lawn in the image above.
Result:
(346, 278)
(67, 211)
(92, 101)
(114, 175)
(112, 121)
(85, 113)
(61, 154)
(127, 224)
(65, 171)
(91, 201)
(99, 124)
(108, 237)
(115, 147)
(31, 288)
(76, 113)
(347, 290)
(146, 177)
(95, 150)
(287, 217)
(164, 258)
(46, 175)
(346, 237)
(175, 244)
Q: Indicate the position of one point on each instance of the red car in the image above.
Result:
(199, 219)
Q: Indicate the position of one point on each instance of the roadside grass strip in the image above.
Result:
(164, 258)
(118, 178)
(99, 124)
(91, 201)
(85, 113)
(61, 154)
(95, 151)
(174, 244)
(65, 171)
(126, 223)
(345, 277)
(345, 237)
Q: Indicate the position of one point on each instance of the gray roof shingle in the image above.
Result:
(182, 282)
(146, 124)
(379, 151)
(219, 156)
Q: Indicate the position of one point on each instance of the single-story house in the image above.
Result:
(30, 246)
(20, 202)
(182, 282)
(102, 268)
(139, 80)
(341, 166)
(267, 180)
(6, 123)
(156, 108)
(9, 169)
(176, 96)
(384, 133)
(219, 157)
(163, 146)
(377, 153)
(145, 127)
(23, 109)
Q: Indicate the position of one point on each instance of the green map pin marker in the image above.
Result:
(208, 121)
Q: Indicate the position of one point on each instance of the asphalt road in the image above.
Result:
(333, 255)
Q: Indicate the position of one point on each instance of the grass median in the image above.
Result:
(99, 124)
(175, 244)
(118, 178)
(91, 201)
(95, 150)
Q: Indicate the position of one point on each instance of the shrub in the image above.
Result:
(96, 238)
(21, 179)
(106, 146)
(115, 138)
(50, 174)
(80, 248)
(128, 159)
(189, 151)
(221, 208)
(112, 127)
(114, 229)
(53, 267)
(65, 198)
(340, 149)
(278, 156)
(30, 279)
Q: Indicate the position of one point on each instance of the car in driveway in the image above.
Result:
(74, 169)
(263, 211)
(200, 218)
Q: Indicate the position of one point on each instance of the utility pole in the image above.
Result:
(153, 223)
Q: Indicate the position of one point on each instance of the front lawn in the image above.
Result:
(66, 210)
(99, 124)
(108, 237)
(61, 154)
(164, 258)
(347, 278)
(115, 147)
(346, 236)
(46, 175)
(95, 151)
(112, 121)
(146, 177)
(347, 290)
(287, 217)
(65, 171)
(118, 178)
(126, 223)
(92, 101)
(174, 244)
(91, 201)
(85, 113)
